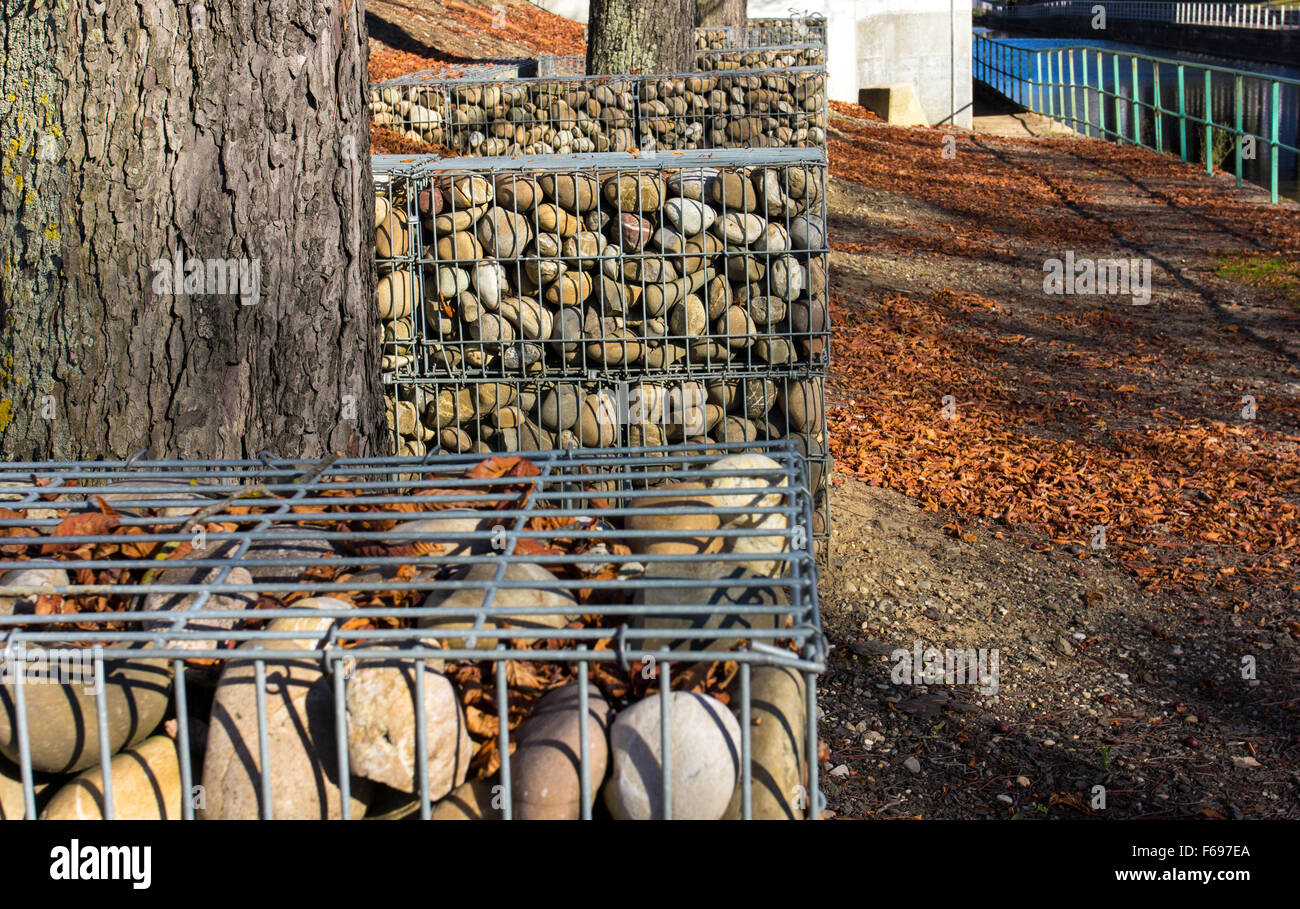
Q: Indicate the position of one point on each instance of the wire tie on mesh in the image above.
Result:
(621, 639)
(327, 648)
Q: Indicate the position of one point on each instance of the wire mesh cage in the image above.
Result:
(487, 416)
(491, 117)
(484, 71)
(556, 115)
(717, 37)
(552, 65)
(692, 264)
(765, 57)
(783, 106)
(389, 637)
(791, 30)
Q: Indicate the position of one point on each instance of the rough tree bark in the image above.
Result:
(137, 131)
(722, 12)
(640, 36)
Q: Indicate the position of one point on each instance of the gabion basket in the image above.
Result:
(424, 637)
(523, 415)
(783, 106)
(483, 71)
(716, 37)
(789, 31)
(775, 107)
(551, 65)
(690, 264)
(764, 57)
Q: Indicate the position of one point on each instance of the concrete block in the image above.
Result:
(896, 103)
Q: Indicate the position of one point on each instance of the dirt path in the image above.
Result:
(1120, 665)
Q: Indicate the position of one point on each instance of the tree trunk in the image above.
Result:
(640, 36)
(722, 12)
(224, 142)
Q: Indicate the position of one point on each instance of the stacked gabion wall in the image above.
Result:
(608, 299)
(716, 37)
(782, 107)
(793, 30)
(761, 57)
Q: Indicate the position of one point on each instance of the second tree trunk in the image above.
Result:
(641, 36)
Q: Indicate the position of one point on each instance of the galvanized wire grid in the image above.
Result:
(775, 106)
(523, 415)
(503, 334)
(772, 106)
(758, 57)
(792, 30)
(539, 266)
(716, 37)
(586, 495)
(483, 71)
(551, 65)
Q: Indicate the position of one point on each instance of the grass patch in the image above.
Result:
(1268, 271)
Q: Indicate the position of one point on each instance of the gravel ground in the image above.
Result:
(1098, 684)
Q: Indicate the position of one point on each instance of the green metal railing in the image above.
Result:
(1048, 82)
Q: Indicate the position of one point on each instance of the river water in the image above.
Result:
(1257, 100)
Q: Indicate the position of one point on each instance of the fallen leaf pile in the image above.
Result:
(461, 34)
(1002, 199)
(1049, 437)
(972, 185)
(857, 111)
(107, 521)
(385, 141)
(518, 23)
(390, 63)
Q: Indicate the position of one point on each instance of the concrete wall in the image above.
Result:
(841, 38)
(877, 41)
(925, 42)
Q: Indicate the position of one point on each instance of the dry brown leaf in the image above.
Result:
(83, 524)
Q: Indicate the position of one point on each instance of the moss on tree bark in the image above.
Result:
(229, 133)
(641, 36)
